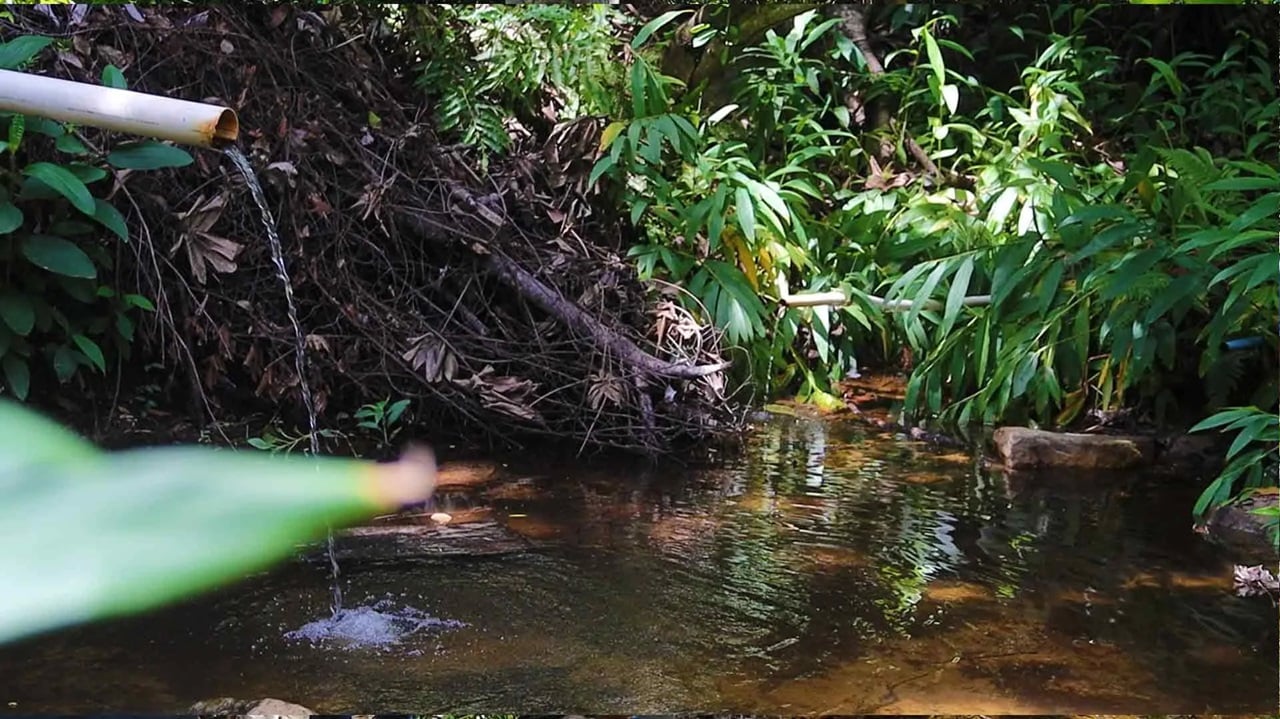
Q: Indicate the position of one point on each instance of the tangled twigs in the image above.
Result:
(478, 293)
(574, 317)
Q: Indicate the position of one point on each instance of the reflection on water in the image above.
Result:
(823, 572)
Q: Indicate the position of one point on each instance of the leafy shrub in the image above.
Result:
(485, 65)
(59, 235)
(1093, 235)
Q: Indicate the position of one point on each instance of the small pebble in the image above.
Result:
(441, 518)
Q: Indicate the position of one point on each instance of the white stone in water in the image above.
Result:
(441, 518)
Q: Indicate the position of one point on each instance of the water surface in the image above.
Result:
(822, 572)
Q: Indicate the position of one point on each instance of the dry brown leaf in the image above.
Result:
(204, 249)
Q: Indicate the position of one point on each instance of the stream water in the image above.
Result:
(824, 571)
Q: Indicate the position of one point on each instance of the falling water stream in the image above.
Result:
(241, 162)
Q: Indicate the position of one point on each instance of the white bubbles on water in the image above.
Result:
(379, 626)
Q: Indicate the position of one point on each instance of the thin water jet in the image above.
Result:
(241, 161)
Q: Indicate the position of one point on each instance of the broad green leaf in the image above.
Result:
(1266, 207)
(113, 77)
(88, 174)
(746, 214)
(1105, 239)
(955, 298)
(638, 106)
(64, 183)
(17, 378)
(951, 98)
(771, 198)
(10, 217)
(1001, 208)
(91, 350)
(45, 126)
(935, 57)
(65, 362)
(605, 164)
(654, 25)
(1224, 417)
(18, 51)
(59, 255)
(71, 145)
(1244, 184)
(140, 302)
(148, 155)
(1248, 434)
(110, 218)
(143, 528)
(1167, 73)
(17, 311)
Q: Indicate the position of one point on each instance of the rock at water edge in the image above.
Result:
(1024, 448)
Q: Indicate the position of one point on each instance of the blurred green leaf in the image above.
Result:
(142, 528)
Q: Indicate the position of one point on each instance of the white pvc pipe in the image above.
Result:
(137, 113)
(837, 298)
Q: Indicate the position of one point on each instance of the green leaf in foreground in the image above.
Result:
(148, 155)
(60, 255)
(90, 535)
(63, 182)
(109, 217)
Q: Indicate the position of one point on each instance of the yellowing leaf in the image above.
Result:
(610, 134)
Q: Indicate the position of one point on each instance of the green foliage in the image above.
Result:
(1103, 216)
(725, 215)
(59, 311)
(487, 66)
(91, 535)
(1253, 460)
(382, 417)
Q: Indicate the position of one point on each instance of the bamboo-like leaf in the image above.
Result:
(955, 298)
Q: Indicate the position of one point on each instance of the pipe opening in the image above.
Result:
(227, 131)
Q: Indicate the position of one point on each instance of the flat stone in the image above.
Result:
(459, 475)
(383, 543)
(1024, 448)
(226, 706)
(277, 708)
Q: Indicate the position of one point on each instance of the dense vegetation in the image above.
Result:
(1048, 215)
(1075, 207)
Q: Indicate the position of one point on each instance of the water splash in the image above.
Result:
(241, 162)
(378, 626)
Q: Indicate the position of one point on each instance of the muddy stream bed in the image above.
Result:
(825, 571)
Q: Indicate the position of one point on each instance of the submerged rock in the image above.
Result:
(1239, 527)
(226, 706)
(1024, 448)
